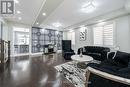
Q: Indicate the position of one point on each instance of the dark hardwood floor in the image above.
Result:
(34, 72)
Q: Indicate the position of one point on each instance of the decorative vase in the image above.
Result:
(81, 55)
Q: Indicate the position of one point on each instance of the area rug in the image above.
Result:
(72, 73)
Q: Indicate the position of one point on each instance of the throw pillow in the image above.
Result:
(122, 57)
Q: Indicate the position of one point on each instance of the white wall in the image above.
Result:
(122, 34)
(88, 40)
(5, 29)
(64, 35)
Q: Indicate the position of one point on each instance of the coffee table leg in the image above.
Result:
(87, 78)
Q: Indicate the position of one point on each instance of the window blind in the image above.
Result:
(103, 35)
(108, 35)
(98, 36)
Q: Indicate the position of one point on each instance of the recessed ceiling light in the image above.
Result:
(16, 1)
(18, 12)
(37, 23)
(88, 7)
(44, 14)
(19, 18)
(57, 24)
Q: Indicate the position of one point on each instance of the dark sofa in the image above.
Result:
(97, 52)
(118, 66)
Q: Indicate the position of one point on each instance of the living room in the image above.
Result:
(65, 43)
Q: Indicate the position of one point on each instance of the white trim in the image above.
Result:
(36, 53)
(20, 55)
(109, 76)
(27, 54)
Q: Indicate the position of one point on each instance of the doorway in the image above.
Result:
(20, 41)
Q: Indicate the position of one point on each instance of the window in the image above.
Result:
(103, 35)
(20, 40)
(71, 36)
(98, 35)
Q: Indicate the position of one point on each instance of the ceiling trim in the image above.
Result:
(106, 17)
(43, 3)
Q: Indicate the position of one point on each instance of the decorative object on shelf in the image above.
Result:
(49, 49)
(45, 50)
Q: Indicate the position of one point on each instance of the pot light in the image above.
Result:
(18, 12)
(19, 18)
(16, 1)
(88, 7)
(44, 14)
(56, 24)
(37, 23)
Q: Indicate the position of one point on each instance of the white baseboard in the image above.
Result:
(33, 54)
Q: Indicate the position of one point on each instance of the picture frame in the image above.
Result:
(82, 35)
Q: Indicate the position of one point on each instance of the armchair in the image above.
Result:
(67, 52)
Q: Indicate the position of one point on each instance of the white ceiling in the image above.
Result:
(69, 11)
(29, 11)
(66, 12)
(48, 8)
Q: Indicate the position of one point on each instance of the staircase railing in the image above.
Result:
(4, 52)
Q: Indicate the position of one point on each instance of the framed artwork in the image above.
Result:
(83, 35)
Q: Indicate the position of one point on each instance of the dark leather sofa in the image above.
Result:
(97, 52)
(118, 66)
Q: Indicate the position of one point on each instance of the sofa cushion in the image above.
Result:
(96, 56)
(93, 49)
(111, 55)
(122, 57)
(110, 62)
(118, 71)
